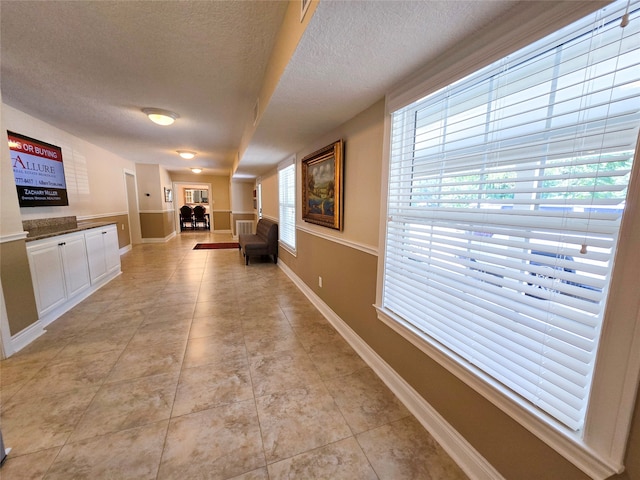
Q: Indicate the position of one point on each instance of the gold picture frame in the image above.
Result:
(322, 186)
(304, 6)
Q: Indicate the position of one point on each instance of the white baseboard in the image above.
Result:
(72, 302)
(26, 336)
(159, 240)
(470, 461)
(33, 331)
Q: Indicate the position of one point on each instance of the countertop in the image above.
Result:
(54, 230)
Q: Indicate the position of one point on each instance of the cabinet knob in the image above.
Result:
(62, 244)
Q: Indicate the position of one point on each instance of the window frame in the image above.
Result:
(599, 451)
(283, 225)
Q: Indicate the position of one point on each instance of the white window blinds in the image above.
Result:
(506, 191)
(287, 201)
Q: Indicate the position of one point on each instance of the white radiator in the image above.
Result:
(244, 226)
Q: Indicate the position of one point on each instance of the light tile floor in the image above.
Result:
(191, 365)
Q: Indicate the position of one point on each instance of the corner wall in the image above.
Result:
(156, 215)
(243, 203)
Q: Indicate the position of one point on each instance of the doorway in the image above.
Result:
(192, 194)
(132, 207)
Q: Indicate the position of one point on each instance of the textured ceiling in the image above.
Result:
(352, 53)
(88, 67)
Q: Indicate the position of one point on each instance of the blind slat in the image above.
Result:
(506, 192)
(287, 205)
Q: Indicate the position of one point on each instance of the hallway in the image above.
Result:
(192, 365)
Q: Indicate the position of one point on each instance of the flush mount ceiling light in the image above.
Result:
(196, 170)
(159, 116)
(186, 154)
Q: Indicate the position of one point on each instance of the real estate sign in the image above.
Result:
(38, 171)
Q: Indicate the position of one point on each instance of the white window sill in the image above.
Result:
(564, 441)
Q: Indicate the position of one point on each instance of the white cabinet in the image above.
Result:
(59, 269)
(74, 259)
(68, 268)
(103, 252)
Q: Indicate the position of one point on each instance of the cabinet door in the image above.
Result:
(111, 249)
(47, 272)
(95, 254)
(76, 266)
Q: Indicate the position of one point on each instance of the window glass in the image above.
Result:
(287, 201)
(506, 192)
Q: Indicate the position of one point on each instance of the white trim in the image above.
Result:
(13, 237)
(6, 348)
(370, 249)
(287, 162)
(461, 451)
(133, 211)
(182, 185)
(287, 248)
(125, 249)
(102, 215)
(304, 6)
(617, 369)
(72, 302)
(157, 211)
(524, 24)
(601, 452)
(568, 446)
(244, 213)
(273, 219)
(158, 239)
(26, 336)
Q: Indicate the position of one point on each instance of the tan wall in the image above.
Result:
(511, 449)
(9, 209)
(157, 217)
(219, 198)
(362, 159)
(222, 221)
(289, 36)
(242, 197)
(219, 187)
(96, 190)
(150, 193)
(156, 225)
(94, 176)
(632, 460)
(241, 216)
(17, 286)
(270, 195)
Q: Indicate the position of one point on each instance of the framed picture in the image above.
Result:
(168, 195)
(304, 6)
(322, 186)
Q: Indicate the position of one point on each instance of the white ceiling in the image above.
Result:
(88, 67)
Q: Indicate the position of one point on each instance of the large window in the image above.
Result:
(287, 202)
(506, 193)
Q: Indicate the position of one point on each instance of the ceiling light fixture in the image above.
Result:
(186, 154)
(159, 116)
(196, 170)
